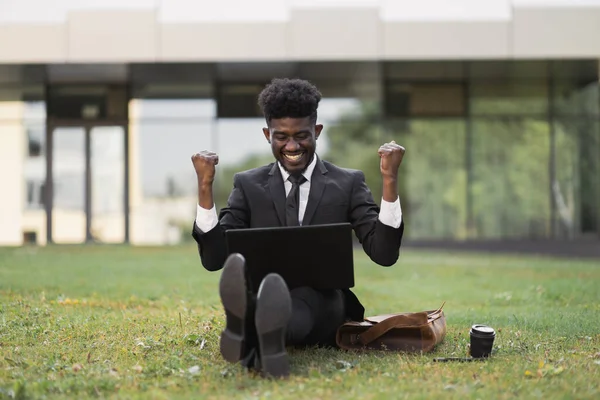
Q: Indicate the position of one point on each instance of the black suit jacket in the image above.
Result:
(336, 195)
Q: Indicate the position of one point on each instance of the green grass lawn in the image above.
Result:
(124, 322)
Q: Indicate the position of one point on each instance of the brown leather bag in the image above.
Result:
(408, 332)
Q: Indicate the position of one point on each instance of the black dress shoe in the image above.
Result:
(273, 312)
(233, 292)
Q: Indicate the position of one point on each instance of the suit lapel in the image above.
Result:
(277, 190)
(317, 187)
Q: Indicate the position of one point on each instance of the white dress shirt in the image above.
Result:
(390, 214)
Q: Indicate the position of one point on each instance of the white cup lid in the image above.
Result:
(483, 329)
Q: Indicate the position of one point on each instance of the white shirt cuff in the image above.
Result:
(206, 219)
(390, 214)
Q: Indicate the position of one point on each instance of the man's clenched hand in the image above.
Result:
(391, 155)
(204, 164)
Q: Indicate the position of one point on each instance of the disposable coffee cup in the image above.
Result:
(482, 340)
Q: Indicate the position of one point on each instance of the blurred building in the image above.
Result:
(102, 104)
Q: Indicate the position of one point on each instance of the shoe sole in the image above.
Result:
(232, 289)
(273, 312)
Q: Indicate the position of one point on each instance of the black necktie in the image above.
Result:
(293, 199)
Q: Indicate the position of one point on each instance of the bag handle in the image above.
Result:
(396, 321)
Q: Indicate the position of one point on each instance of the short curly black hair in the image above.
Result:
(289, 98)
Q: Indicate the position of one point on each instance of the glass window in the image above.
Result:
(167, 133)
(34, 122)
(35, 165)
(163, 194)
(149, 110)
(433, 178)
(509, 70)
(96, 102)
(240, 145)
(424, 99)
(238, 100)
(582, 70)
(509, 98)
(510, 185)
(350, 129)
(107, 163)
(343, 81)
(165, 164)
(174, 81)
(352, 134)
(68, 182)
(576, 190)
(571, 98)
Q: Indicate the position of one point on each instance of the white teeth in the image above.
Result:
(293, 157)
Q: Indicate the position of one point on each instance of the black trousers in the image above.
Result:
(316, 316)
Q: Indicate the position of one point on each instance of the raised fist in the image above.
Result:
(204, 164)
(391, 157)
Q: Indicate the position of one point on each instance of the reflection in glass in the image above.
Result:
(572, 99)
(509, 98)
(510, 178)
(350, 138)
(424, 99)
(241, 145)
(509, 70)
(163, 182)
(163, 156)
(576, 189)
(34, 114)
(108, 183)
(35, 166)
(433, 178)
(163, 135)
(68, 179)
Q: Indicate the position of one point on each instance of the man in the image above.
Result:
(297, 189)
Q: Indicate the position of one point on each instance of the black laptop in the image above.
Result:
(318, 256)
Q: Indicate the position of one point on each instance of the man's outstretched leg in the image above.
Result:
(232, 289)
(273, 312)
(238, 339)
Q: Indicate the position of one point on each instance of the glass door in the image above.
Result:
(86, 185)
(107, 151)
(68, 183)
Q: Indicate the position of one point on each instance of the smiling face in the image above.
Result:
(293, 142)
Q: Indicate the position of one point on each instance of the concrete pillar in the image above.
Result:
(12, 185)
